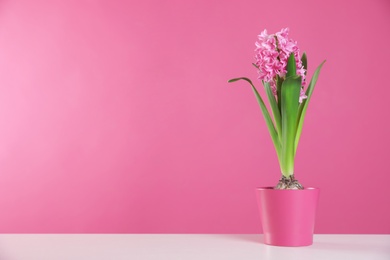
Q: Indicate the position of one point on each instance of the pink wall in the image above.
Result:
(116, 115)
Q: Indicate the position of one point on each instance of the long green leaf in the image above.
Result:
(275, 109)
(304, 62)
(305, 103)
(291, 66)
(290, 102)
(267, 117)
(279, 82)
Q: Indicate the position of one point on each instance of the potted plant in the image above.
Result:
(288, 209)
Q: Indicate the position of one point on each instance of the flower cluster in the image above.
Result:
(272, 52)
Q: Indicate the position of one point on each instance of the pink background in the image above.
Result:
(116, 116)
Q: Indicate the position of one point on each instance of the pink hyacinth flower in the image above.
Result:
(272, 52)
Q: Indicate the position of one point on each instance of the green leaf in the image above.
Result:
(279, 82)
(304, 62)
(290, 102)
(291, 66)
(275, 108)
(267, 117)
(305, 103)
(237, 79)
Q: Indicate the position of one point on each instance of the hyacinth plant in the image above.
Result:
(283, 74)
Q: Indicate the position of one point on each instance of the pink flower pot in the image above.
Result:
(287, 216)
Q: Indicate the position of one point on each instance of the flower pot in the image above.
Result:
(287, 216)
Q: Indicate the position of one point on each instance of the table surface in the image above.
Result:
(186, 247)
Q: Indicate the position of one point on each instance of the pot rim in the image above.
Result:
(272, 188)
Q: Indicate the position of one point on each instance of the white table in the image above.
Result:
(186, 247)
